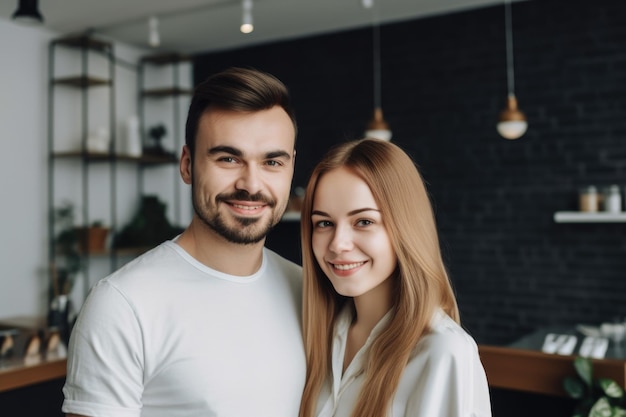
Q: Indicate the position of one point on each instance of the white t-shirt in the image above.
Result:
(167, 336)
(443, 378)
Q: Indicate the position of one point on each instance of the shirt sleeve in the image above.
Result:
(105, 357)
(448, 379)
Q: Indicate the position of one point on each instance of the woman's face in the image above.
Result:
(350, 241)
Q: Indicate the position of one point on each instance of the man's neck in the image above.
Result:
(212, 250)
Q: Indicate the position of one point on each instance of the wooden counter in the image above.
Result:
(18, 374)
(24, 367)
(538, 372)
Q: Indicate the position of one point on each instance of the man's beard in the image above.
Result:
(244, 233)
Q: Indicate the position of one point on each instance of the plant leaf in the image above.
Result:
(574, 387)
(584, 368)
(610, 388)
(619, 412)
(601, 408)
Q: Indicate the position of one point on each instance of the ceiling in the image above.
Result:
(209, 25)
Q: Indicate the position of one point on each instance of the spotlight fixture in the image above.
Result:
(154, 38)
(246, 19)
(377, 127)
(512, 123)
(27, 13)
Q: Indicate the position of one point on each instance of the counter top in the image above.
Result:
(33, 354)
(24, 372)
(538, 372)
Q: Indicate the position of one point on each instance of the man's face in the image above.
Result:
(242, 171)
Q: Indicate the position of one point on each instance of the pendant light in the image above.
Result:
(377, 127)
(246, 18)
(512, 123)
(27, 13)
(154, 37)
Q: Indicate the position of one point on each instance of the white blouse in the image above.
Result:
(443, 378)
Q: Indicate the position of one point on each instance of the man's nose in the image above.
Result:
(249, 180)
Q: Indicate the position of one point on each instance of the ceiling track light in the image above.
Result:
(377, 127)
(512, 123)
(27, 13)
(246, 18)
(154, 38)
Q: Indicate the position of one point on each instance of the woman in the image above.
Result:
(380, 319)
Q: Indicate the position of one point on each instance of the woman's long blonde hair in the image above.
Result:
(422, 284)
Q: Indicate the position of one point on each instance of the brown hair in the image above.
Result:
(422, 284)
(238, 89)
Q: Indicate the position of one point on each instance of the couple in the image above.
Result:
(210, 323)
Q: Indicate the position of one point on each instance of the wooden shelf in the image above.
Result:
(166, 58)
(583, 217)
(82, 81)
(146, 159)
(84, 42)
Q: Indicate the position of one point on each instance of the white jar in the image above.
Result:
(132, 147)
(612, 199)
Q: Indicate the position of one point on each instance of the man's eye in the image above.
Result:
(229, 159)
(274, 163)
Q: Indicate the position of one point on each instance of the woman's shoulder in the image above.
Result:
(446, 338)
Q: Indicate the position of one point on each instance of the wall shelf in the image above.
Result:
(582, 217)
(145, 159)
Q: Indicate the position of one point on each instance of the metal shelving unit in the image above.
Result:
(80, 84)
(175, 92)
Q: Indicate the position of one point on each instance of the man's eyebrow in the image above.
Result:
(237, 152)
(225, 149)
(278, 154)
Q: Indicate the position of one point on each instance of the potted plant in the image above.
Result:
(64, 268)
(92, 239)
(67, 258)
(597, 397)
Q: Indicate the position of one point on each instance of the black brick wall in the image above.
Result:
(444, 84)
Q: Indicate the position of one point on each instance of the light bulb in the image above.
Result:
(512, 130)
(512, 122)
(378, 128)
(246, 19)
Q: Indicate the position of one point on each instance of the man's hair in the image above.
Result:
(236, 89)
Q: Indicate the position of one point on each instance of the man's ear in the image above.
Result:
(186, 165)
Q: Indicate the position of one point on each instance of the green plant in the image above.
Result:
(67, 259)
(599, 397)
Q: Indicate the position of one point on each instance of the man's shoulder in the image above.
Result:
(156, 259)
(280, 261)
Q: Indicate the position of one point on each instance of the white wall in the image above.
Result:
(23, 165)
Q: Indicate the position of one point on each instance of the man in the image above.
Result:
(207, 324)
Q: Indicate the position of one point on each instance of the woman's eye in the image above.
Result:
(364, 222)
(323, 223)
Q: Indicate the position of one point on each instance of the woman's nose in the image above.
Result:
(342, 240)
